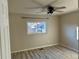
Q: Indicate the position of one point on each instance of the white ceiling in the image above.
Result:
(19, 6)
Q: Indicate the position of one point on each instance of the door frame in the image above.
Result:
(5, 52)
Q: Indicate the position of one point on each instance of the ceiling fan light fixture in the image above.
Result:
(50, 12)
(49, 8)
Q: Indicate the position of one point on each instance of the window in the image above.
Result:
(36, 27)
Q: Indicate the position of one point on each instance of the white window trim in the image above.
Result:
(77, 32)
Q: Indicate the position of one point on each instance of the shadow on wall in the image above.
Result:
(70, 32)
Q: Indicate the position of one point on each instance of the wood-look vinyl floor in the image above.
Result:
(55, 52)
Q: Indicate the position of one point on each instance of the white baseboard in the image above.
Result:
(69, 47)
(34, 48)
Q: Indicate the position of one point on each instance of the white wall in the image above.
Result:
(20, 40)
(68, 34)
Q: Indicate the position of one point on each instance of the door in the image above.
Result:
(4, 31)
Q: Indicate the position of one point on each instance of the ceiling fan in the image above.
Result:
(49, 8)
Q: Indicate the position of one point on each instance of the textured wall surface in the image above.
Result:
(20, 40)
(68, 30)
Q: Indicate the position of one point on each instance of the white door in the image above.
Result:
(4, 31)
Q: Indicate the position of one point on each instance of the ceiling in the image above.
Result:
(20, 6)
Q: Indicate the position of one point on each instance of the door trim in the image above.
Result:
(4, 31)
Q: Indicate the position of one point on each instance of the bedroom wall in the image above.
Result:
(68, 33)
(20, 40)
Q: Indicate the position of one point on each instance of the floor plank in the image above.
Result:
(56, 52)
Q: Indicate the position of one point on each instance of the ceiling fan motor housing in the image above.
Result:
(50, 9)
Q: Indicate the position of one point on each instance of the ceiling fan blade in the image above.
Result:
(63, 7)
(43, 7)
(43, 10)
(58, 11)
(33, 7)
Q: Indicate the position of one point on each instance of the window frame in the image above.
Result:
(45, 23)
